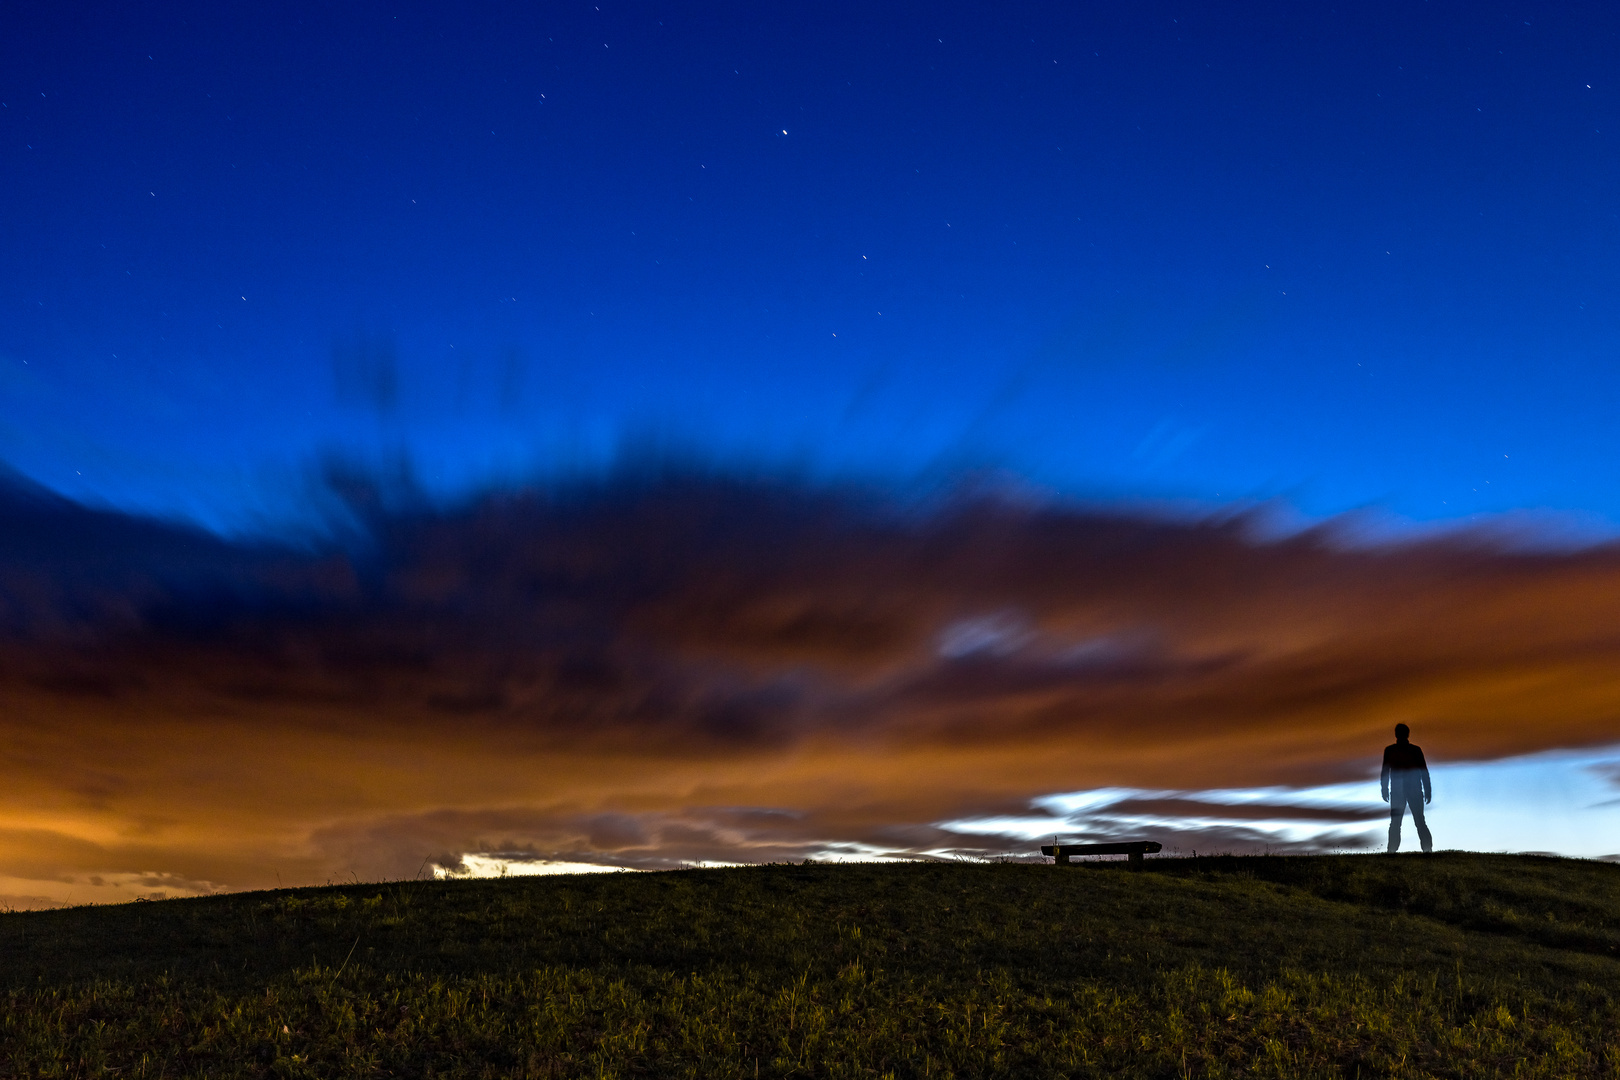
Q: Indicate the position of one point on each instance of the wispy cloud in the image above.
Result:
(666, 667)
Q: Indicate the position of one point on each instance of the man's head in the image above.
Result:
(1402, 732)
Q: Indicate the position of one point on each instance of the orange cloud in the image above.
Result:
(686, 667)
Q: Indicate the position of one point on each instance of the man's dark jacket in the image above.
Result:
(1406, 758)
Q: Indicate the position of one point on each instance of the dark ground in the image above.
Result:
(1453, 965)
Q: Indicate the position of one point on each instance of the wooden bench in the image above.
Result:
(1134, 848)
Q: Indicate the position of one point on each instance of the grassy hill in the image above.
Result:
(1456, 965)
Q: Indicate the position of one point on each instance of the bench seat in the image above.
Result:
(1133, 848)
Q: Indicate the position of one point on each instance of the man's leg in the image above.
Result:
(1397, 805)
(1417, 819)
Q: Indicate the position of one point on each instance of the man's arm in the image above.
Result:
(1428, 791)
(1383, 779)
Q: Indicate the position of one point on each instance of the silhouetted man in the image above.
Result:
(1405, 782)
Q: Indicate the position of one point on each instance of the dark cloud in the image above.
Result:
(1245, 811)
(667, 666)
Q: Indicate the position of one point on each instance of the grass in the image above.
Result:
(1342, 966)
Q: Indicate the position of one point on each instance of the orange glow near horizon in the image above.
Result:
(721, 673)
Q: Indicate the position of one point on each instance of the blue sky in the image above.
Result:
(1345, 257)
(1152, 262)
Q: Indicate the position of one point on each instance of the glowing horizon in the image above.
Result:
(796, 672)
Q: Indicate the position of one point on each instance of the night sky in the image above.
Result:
(381, 386)
(1346, 256)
